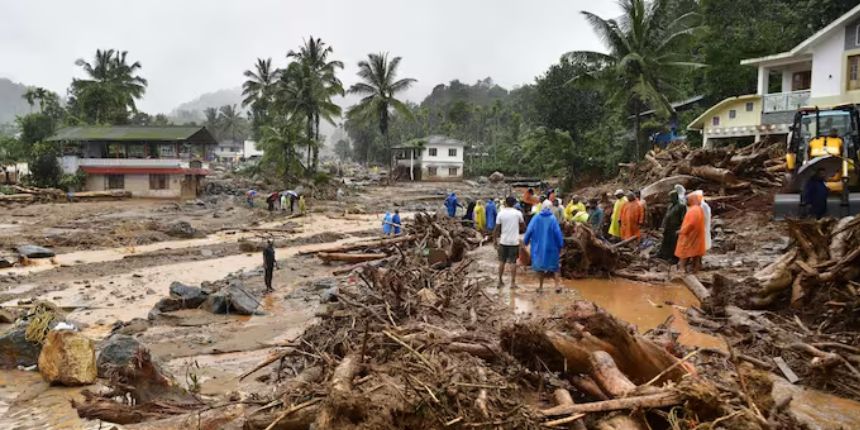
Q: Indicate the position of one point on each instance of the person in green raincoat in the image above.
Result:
(671, 224)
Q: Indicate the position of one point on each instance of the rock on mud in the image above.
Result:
(496, 177)
(33, 251)
(182, 229)
(5, 263)
(191, 297)
(16, 351)
(116, 351)
(68, 358)
(232, 300)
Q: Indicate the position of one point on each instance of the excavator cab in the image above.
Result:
(822, 139)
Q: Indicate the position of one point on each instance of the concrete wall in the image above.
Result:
(139, 185)
(851, 35)
(442, 171)
(743, 117)
(828, 66)
(442, 154)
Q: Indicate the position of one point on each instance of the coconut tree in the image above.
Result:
(643, 56)
(379, 87)
(212, 121)
(110, 89)
(231, 121)
(258, 91)
(314, 77)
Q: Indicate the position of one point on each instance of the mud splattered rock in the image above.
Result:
(116, 351)
(232, 300)
(33, 251)
(182, 229)
(68, 358)
(16, 351)
(5, 263)
(191, 297)
(496, 177)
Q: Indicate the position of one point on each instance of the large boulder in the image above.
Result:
(6, 263)
(33, 251)
(496, 177)
(68, 358)
(182, 229)
(116, 351)
(232, 299)
(16, 350)
(191, 297)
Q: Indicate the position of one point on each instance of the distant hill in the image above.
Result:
(11, 103)
(193, 110)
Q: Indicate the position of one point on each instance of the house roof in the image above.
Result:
(134, 133)
(699, 123)
(802, 47)
(675, 105)
(128, 170)
(434, 140)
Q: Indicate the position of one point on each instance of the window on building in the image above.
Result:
(857, 35)
(136, 151)
(432, 152)
(431, 171)
(452, 152)
(452, 171)
(854, 72)
(801, 81)
(115, 182)
(116, 150)
(733, 114)
(159, 182)
(715, 121)
(167, 150)
(749, 106)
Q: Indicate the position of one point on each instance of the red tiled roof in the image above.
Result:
(124, 170)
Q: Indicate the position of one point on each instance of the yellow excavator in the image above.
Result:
(822, 139)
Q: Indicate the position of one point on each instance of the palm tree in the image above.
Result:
(212, 122)
(111, 88)
(315, 82)
(278, 142)
(379, 89)
(642, 58)
(231, 121)
(258, 91)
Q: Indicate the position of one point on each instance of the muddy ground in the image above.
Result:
(115, 261)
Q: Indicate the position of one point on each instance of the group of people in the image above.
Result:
(686, 229)
(279, 200)
(391, 223)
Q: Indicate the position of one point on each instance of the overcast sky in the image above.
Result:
(188, 48)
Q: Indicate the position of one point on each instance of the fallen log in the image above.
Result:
(659, 191)
(696, 287)
(328, 257)
(724, 177)
(657, 400)
(621, 422)
(605, 372)
(382, 243)
(102, 195)
(17, 198)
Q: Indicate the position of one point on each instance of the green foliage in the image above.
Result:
(76, 181)
(12, 150)
(342, 150)
(278, 143)
(108, 94)
(36, 127)
(45, 170)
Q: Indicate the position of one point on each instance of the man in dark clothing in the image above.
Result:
(269, 264)
(671, 224)
(271, 201)
(815, 194)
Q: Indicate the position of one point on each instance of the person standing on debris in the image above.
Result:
(283, 201)
(480, 216)
(470, 213)
(815, 194)
(302, 205)
(451, 204)
(506, 236)
(671, 224)
(631, 218)
(691, 236)
(642, 205)
(595, 217)
(271, 201)
(546, 240)
(557, 211)
(706, 210)
(386, 224)
(249, 196)
(490, 214)
(615, 224)
(269, 264)
(395, 220)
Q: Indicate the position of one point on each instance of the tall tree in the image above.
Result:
(212, 121)
(109, 92)
(643, 57)
(258, 91)
(316, 75)
(379, 87)
(232, 122)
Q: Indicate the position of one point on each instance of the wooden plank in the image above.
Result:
(783, 367)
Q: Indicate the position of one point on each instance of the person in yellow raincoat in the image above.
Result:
(480, 216)
(575, 204)
(302, 205)
(615, 225)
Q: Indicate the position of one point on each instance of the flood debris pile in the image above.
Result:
(813, 289)
(445, 239)
(584, 254)
(26, 195)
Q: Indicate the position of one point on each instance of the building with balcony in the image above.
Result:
(158, 162)
(434, 158)
(823, 70)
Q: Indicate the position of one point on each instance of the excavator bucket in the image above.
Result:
(831, 165)
(788, 206)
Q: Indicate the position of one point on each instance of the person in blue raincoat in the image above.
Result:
(546, 240)
(490, 209)
(395, 220)
(386, 224)
(451, 203)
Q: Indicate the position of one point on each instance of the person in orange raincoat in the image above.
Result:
(691, 237)
(632, 215)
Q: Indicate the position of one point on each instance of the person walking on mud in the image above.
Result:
(269, 264)
(546, 240)
(506, 236)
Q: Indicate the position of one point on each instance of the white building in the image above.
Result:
(434, 158)
(823, 70)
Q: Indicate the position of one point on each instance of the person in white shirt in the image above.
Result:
(506, 235)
